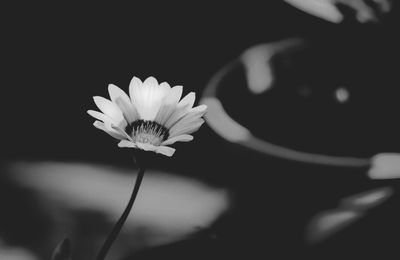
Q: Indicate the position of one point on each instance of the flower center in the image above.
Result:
(148, 132)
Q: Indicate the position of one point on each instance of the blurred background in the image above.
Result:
(331, 88)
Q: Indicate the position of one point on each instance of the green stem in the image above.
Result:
(118, 226)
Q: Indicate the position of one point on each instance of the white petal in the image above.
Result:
(113, 133)
(201, 108)
(115, 93)
(146, 147)
(183, 107)
(188, 100)
(99, 116)
(165, 150)
(119, 97)
(134, 87)
(135, 92)
(165, 86)
(150, 92)
(187, 128)
(119, 130)
(150, 82)
(178, 113)
(129, 111)
(179, 138)
(169, 104)
(148, 98)
(110, 109)
(126, 144)
(197, 111)
(194, 114)
(174, 95)
(109, 123)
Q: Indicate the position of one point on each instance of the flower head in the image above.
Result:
(152, 117)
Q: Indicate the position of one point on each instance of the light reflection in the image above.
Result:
(15, 253)
(342, 95)
(168, 207)
(385, 166)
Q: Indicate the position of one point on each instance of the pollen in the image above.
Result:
(148, 132)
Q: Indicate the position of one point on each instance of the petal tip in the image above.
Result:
(150, 81)
(111, 87)
(92, 112)
(97, 99)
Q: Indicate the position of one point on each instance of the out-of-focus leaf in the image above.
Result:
(327, 223)
(62, 251)
(368, 199)
(350, 209)
(15, 253)
(168, 207)
(385, 166)
(332, 10)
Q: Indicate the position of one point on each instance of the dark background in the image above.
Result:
(56, 56)
(60, 55)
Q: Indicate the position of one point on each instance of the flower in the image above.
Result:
(152, 118)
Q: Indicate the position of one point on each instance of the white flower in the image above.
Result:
(152, 118)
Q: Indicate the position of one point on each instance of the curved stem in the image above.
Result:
(118, 226)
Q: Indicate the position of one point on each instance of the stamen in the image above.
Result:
(147, 132)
